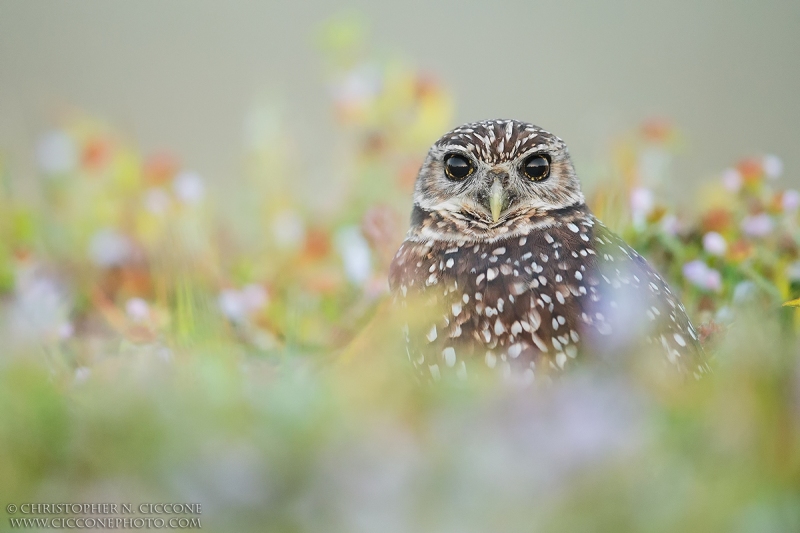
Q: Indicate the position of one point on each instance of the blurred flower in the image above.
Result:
(66, 330)
(773, 166)
(744, 291)
(701, 275)
(642, 203)
(254, 297)
(751, 170)
(670, 224)
(40, 308)
(714, 243)
(759, 225)
(237, 305)
(790, 200)
(732, 180)
(188, 187)
(231, 304)
(137, 309)
(109, 247)
(357, 87)
(56, 153)
(95, 153)
(156, 200)
(355, 253)
(288, 228)
(724, 315)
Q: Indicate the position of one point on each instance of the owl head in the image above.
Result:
(487, 174)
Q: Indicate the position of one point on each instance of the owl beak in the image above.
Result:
(497, 197)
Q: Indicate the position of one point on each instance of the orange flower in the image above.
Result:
(95, 154)
(657, 130)
(717, 220)
(751, 170)
(160, 168)
(740, 250)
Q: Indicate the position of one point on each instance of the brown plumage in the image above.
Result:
(513, 271)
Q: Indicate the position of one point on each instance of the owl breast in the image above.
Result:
(531, 304)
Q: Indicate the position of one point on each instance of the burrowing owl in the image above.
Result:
(513, 270)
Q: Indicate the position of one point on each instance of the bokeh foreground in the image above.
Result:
(159, 346)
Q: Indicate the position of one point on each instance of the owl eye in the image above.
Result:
(457, 167)
(537, 167)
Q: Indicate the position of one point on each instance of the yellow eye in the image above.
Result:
(537, 167)
(457, 167)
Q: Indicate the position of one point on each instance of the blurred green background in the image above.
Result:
(182, 74)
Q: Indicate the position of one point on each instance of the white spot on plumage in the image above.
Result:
(679, 339)
(432, 334)
(449, 355)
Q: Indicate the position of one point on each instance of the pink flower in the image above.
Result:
(773, 166)
(714, 243)
(701, 275)
(137, 309)
(732, 180)
(759, 225)
(642, 201)
(790, 200)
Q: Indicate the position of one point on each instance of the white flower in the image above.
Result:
(109, 247)
(56, 153)
(156, 200)
(137, 309)
(790, 200)
(757, 225)
(231, 304)
(188, 187)
(714, 243)
(355, 253)
(701, 275)
(773, 166)
(732, 180)
(288, 228)
(359, 86)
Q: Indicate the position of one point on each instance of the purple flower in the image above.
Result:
(714, 243)
(701, 275)
(790, 200)
(757, 225)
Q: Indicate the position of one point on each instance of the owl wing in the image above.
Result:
(634, 299)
